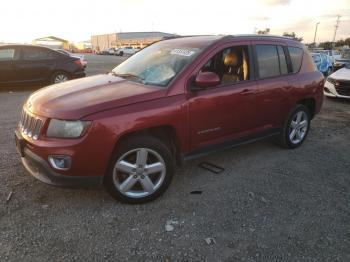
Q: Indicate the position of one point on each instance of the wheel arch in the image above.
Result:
(310, 103)
(165, 133)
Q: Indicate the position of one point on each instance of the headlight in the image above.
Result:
(331, 80)
(66, 128)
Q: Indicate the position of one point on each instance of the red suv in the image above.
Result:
(173, 100)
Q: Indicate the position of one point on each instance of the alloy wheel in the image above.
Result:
(139, 173)
(60, 78)
(298, 127)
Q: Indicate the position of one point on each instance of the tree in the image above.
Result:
(326, 45)
(293, 35)
(264, 32)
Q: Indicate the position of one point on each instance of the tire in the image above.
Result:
(295, 121)
(59, 77)
(130, 180)
(121, 53)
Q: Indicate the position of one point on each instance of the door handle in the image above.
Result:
(246, 92)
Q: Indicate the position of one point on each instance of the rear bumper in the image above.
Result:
(41, 170)
(79, 74)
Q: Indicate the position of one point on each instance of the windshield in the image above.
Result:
(157, 64)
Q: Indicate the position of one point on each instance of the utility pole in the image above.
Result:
(315, 34)
(335, 31)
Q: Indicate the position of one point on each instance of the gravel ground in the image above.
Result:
(270, 204)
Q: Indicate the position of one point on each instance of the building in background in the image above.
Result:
(83, 46)
(52, 42)
(134, 39)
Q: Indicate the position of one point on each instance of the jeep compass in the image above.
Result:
(172, 101)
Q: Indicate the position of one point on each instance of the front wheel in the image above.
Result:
(296, 127)
(140, 171)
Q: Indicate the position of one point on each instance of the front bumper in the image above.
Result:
(40, 169)
(330, 91)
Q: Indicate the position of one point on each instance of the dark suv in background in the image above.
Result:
(173, 100)
(27, 64)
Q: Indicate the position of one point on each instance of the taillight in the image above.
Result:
(78, 63)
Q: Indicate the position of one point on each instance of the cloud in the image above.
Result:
(275, 2)
(258, 18)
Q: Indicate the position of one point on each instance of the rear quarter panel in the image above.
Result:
(311, 82)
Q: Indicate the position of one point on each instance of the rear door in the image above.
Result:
(275, 84)
(8, 64)
(36, 64)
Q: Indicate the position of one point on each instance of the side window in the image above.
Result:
(283, 61)
(230, 64)
(296, 56)
(268, 62)
(7, 54)
(36, 54)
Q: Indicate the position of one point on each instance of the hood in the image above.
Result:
(77, 98)
(341, 74)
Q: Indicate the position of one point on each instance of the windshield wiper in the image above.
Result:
(128, 75)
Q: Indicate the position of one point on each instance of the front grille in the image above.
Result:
(343, 87)
(30, 125)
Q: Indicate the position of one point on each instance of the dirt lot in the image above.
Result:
(270, 204)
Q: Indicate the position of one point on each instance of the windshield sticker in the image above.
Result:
(182, 52)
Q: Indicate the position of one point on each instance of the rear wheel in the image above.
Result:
(296, 127)
(140, 171)
(59, 77)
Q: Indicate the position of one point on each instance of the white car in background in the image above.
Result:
(126, 50)
(338, 83)
(80, 56)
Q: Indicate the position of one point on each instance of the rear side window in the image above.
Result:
(296, 56)
(7, 54)
(36, 54)
(283, 61)
(268, 62)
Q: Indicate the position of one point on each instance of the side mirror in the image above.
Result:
(206, 79)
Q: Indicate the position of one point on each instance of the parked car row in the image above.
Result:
(329, 61)
(127, 50)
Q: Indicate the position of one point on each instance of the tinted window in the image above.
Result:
(268, 62)
(296, 56)
(283, 61)
(7, 54)
(36, 54)
(230, 64)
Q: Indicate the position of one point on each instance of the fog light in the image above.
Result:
(60, 162)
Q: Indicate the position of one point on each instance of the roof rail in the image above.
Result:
(264, 36)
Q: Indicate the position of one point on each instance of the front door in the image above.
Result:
(228, 110)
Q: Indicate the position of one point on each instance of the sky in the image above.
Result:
(76, 20)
